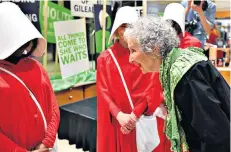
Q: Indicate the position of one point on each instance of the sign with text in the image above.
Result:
(83, 8)
(72, 46)
(139, 10)
(30, 8)
(156, 8)
(55, 13)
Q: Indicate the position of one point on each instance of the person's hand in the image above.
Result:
(163, 109)
(125, 120)
(41, 150)
(40, 146)
(198, 9)
(125, 130)
(189, 4)
(188, 7)
(133, 117)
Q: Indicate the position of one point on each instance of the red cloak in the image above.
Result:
(189, 41)
(21, 124)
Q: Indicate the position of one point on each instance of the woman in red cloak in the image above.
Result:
(115, 118)
(22, 127)
(175, 13)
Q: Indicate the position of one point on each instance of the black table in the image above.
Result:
(78, 124)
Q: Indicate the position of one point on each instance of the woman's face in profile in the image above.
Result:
(148, 62)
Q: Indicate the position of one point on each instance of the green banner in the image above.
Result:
(84, 78)
(160, 14)
(55, 13)
(80, 79)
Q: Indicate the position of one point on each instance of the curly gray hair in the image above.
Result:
(153, 32)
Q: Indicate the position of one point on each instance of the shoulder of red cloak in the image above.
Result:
(103, 55)
(35, 63)
(195, 42)
(190, 41)
(39, 66)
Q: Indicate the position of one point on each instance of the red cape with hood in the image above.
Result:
(21, 123)
(145, 90)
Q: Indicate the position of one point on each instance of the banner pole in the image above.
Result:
(45, 26)
(144, 7)
(61, 3)
(104, 24)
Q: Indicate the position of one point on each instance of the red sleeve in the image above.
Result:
(155, 95)
(140, 109)
(7, 145)
(53, 125)
(103, 92)
(149, 92)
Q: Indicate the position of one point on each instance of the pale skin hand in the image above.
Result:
(196, 8)
(190, 2)
(128, 129)
(41, 148)
(125, 120)
(203, 19)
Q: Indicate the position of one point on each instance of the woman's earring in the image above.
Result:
(155, 56)
(25, 52)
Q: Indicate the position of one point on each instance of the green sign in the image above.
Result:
(84, 78)
(160, 14)
(55, 13)
(72, 48)
(80, 79)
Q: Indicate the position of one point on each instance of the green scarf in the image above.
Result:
(172, 69)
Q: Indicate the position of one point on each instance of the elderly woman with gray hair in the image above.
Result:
(197, 97)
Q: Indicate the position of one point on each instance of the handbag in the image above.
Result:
(55, 148)
(147, 137)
